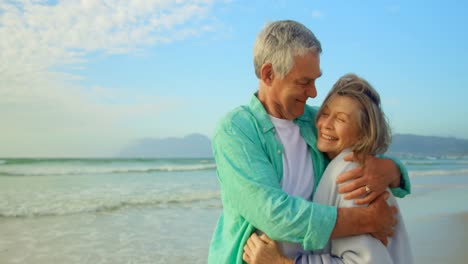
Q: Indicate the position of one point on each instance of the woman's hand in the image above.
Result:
(367, 182)
(262, 250)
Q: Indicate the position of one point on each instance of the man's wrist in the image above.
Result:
(353, 221)
(366, 225)
(397, 182)
(396, 175)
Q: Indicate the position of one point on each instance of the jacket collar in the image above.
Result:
(258, 110)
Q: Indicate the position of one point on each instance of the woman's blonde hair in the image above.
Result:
(374, 131)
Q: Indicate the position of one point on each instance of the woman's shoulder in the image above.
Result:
(338, 164)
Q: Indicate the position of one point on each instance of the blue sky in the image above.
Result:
(87, 78)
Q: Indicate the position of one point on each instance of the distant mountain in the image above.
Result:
(191, 146)
(199, 146)
(406, 144)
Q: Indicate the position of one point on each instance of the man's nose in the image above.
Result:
(312, 91)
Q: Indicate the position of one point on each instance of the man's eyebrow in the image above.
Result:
(308, 79)
(344, 113)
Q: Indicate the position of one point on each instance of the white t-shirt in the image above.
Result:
(298, 174)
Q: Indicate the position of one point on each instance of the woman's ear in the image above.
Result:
(266, 73)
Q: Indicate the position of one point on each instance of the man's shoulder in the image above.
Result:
(240, 117)
(237, 115)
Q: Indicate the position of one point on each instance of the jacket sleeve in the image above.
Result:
(405, 186)
(250, 187)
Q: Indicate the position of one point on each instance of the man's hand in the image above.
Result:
(377, 174)
(382, 217)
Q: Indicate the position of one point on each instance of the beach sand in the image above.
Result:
(137, 236)
(440, 239)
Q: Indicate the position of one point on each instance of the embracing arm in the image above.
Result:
(350, 242)
(401, 186)
(362, 249)
(378, 174)
(378, 218)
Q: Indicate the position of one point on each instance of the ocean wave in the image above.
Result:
(420, 163)
(63, 207)
(441, 186)
(434, 162)
(438, 172)
(76, 170)
(94, 161)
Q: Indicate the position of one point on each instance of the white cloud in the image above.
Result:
(63, 32)
(316, 14)
(38, 38)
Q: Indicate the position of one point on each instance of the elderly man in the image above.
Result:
(268, 164)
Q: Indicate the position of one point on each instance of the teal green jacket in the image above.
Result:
(250, 167)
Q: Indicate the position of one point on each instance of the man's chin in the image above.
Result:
(299, 113)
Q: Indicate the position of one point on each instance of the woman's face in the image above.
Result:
(338, 125)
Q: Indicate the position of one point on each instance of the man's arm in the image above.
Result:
(350, 249)
(377, 219)
(378, 174)
(402, 186)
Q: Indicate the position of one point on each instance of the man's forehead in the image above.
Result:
(310, 75)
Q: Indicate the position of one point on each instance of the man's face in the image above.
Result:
(289, 95)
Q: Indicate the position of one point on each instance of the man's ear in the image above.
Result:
(266, 73)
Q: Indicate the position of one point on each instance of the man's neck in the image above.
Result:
(269, 105)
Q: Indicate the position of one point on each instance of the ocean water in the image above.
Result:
(152, 210)
(107, 210)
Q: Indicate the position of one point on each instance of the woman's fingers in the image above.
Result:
(256, 240)
(266, 239)
(247, 253)
(251, 243)
(246, 256)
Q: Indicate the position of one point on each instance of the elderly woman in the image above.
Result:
(350, 120)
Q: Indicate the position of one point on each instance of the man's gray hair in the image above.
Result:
(279, 42)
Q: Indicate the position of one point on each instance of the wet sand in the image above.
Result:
(440, 239)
